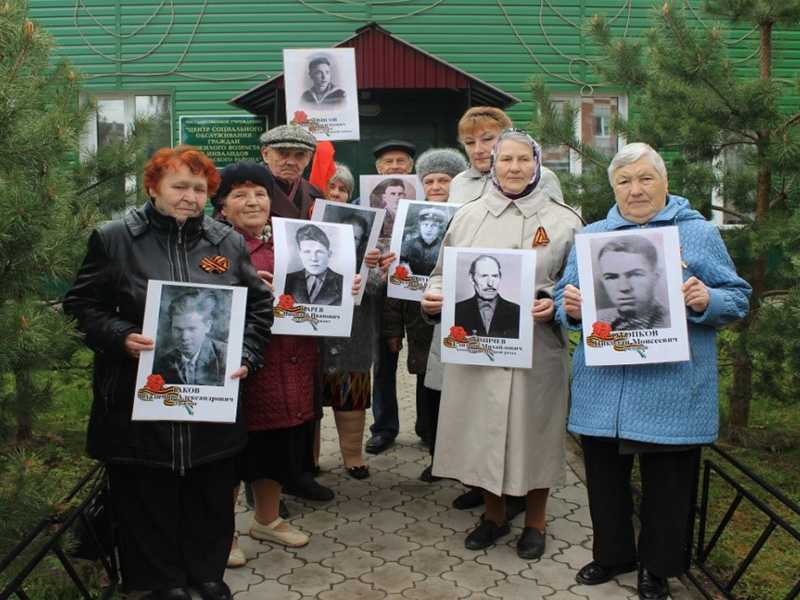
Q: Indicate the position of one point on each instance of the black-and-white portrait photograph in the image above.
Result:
(322, 91)
(386, 191)
(423, 230)
(633, 308)
(365, 221)
(314, 281)
(487, 294)
(314, 275)
(198, 331)
(487, 310)
(192, 335)
(322, 78)
(630, 288)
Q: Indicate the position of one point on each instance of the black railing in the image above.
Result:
(709, 577)
(51, 532)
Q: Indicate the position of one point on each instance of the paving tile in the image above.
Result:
(274, 563)
(319, 548)
(310, 579)
(318, 521)
(568, 531)
(435, 589)
(389, 521)
(352, 562)
(430, 561)
(420, 509)
(390, 546)
(242, 578)
(475, 577)
(503, 558)
(354, 534)
(386, 498)
(574, 556)
(425, 533)
(549, 573)
(352, 590)
(392, 577)
(516, 588)
(457, 520)
(268, 589)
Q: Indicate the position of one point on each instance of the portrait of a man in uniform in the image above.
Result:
(631, 277)
(323, 91)
(421, 249)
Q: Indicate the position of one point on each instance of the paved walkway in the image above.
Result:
(394, 537)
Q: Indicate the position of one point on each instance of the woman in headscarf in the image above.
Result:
(171, 481)
(502, 429)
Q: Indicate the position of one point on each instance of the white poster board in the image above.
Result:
(386, 191)
(198, 331)
(505, 279)
(366, 223)
(633, 311)
(315, 264)
(322, 92)
(419, 227)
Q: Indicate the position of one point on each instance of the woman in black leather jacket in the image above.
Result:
(170, 481)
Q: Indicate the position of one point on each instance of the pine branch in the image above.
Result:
(733, 213)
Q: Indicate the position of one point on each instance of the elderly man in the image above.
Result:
(420, 250)
(287, 151)
(487, 313)
(323, 92)
(629, 274)
(392, 157)
(315, 283)
(662, 412)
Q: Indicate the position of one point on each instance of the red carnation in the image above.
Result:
(155, 382)
(401, 273)
(300, 117)
(601, 329)
(458, 333)
(285, 301)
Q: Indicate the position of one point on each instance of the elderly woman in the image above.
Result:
(662, 412)
(478, 130)
(435, 168)
(502, 429)
(346, 362)
(279, 399)
(171, 480)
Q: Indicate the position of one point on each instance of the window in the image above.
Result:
(592, 127)
(114, 120)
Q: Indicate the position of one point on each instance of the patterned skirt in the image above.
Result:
(346, 390)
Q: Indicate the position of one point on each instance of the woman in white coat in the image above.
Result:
(502, 429)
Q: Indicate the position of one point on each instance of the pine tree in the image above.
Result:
(49, 201)
(722, 124)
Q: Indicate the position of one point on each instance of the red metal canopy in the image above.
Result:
(384, 61)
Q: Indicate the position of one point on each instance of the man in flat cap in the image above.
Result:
(287, 151)
(420, 250)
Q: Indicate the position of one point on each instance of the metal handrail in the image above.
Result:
(98, 480)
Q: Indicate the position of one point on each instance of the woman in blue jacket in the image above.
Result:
(661, 412)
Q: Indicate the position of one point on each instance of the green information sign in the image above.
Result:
(224, 138)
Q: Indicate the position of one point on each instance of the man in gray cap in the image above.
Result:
(287, 151)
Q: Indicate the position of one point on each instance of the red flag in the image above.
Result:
(323, 168)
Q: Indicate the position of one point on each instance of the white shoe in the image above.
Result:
(279, 532)
(236, 558)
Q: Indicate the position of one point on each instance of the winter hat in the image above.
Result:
(289, 136)
(440, 160)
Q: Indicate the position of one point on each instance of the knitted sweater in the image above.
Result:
(667, 403)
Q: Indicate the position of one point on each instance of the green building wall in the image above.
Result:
(204, 52)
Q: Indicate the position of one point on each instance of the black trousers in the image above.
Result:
(669, 488)
(431, 400)
(173, 530)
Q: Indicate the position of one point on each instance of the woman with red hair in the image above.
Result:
(170, 481)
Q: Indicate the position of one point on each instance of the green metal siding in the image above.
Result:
(204, 52)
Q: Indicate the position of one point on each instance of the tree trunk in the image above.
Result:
(23, 405)
(742, 387)
(742, 361)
